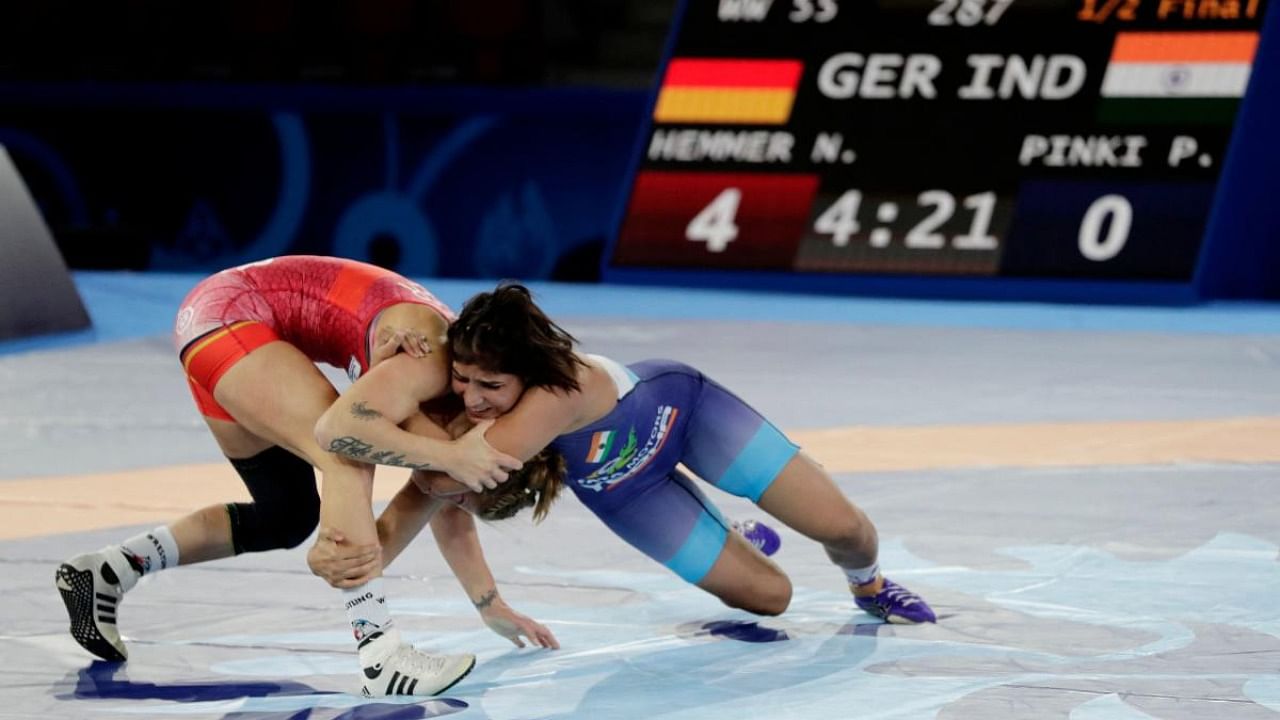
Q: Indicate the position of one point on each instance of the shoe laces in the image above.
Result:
(411, 661)
(900, 595)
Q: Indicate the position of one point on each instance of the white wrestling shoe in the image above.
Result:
(91, 591)
(409, 671)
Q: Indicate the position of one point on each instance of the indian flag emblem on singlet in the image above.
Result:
(601, 444)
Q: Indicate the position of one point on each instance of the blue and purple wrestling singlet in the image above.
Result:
(623, 466)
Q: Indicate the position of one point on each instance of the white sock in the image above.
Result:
(862, 576)
(371, 621)
(142, 554)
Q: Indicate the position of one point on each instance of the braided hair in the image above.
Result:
(535, 485)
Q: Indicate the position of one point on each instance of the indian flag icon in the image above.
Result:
(1177, 77)
(728, 91)
(601, 444)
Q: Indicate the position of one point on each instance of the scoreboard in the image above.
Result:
(1034, 139)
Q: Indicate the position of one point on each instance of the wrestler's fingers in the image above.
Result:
(362, 562)
(329, 534)
(420, 341)
(362, 572)
(412, 344)
(548, 639)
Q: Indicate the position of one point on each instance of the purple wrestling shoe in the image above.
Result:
(893, 603)
(763, 537)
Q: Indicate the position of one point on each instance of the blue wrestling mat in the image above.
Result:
(1085, 495)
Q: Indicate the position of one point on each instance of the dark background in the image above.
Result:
(446, 138)
(497, 139)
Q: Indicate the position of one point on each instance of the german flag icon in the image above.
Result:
(728, 91)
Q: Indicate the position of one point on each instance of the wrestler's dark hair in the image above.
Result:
(535, 485)
(505, 332)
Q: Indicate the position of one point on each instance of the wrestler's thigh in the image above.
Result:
(730, 445)
(235, 440)
(673, 522)
(277, 393)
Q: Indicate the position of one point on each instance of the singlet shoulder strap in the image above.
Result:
(622, 377)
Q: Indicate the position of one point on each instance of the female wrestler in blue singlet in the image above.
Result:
(622, 431)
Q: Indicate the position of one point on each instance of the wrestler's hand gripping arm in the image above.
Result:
(364, 425)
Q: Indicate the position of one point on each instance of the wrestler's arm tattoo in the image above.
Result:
(358, 449)
(486, 599)
(361, 411)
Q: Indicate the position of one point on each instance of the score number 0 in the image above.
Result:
(716, 223)
(1090, 240)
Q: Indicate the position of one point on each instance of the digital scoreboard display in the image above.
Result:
(1065, 139)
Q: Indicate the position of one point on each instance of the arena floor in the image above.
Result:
(1087, 496)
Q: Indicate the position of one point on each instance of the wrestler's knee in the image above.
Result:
(296, 523)
(854, 531)
(257, 528)
(762, 593)
(286, 507)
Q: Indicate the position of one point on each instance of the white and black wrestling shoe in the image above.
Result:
(409, 671)
(92, 591)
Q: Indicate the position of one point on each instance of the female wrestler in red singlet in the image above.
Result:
(249, 339)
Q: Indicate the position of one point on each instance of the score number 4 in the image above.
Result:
(714, 224)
